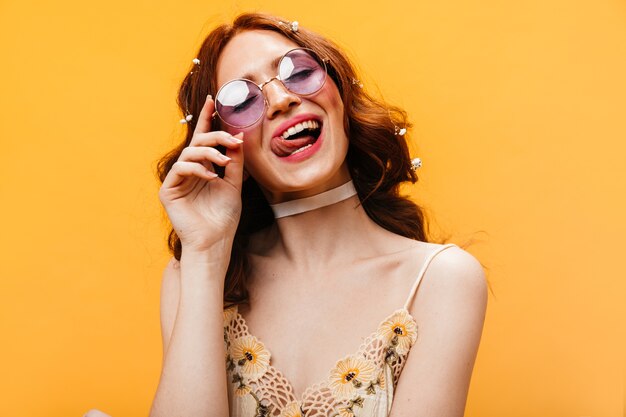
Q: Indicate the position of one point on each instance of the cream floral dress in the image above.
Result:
(359, 385)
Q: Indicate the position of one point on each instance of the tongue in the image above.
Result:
(282, 147)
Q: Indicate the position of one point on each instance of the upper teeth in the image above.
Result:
(309, 124)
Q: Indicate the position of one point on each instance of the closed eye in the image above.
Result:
(301, 75)
(246, 104)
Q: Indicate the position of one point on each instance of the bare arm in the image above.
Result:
(450, 310)
(193, 378)
(204, 210)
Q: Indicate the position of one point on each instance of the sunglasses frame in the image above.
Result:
(320, 60)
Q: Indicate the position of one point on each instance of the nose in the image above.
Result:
(279, 99)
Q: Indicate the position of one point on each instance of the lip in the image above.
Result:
(294, 121)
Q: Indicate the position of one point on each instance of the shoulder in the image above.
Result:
(453, 272)
(451, 302)
(449, 309)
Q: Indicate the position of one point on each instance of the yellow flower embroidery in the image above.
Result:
(346, 412)
(292, 410)
(400, 330)
(349, 375)
(242, 390)
(381, 379)
(251, 356)
(229, 314)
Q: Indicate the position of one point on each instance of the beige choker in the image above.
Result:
(301, 205)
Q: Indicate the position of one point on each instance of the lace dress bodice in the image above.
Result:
(361, 384)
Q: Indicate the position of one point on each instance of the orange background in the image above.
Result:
(519, 111)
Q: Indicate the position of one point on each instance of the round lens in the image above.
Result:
(302, 72)
(239, 103)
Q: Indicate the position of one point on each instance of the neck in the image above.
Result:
(332, 235)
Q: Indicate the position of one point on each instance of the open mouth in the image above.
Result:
(297, 138)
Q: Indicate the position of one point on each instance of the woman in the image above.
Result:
(285, 262)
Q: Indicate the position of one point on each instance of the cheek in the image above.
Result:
(333, 102)
(248, 132)
(329, 95)
(335, 99)
(251, 143)
(234, 130)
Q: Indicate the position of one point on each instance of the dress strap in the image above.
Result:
(422, 271)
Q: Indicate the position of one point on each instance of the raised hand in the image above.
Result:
(203, 208)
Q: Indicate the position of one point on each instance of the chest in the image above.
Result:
(308, 326)
(366, 378)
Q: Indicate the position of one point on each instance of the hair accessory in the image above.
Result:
(357, 82)
(399, 131)
(301, 205)
(186, 119)
(416, 163)
(293, 25)
(196, 61)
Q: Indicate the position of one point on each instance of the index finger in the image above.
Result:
(206, 114)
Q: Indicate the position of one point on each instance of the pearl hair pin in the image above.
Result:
(399, 131)
(189, 117)
(416, 163)
(292, 25)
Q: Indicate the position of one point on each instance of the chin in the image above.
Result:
(312, 180)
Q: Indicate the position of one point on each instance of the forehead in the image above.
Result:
(252, 53)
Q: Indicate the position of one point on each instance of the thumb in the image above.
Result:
(233, 174)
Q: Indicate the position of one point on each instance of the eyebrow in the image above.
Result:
(274, 64)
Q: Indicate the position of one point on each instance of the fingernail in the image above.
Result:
(224, 157)
(209, 97)
(236, 140)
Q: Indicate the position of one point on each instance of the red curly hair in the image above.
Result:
(378, 158)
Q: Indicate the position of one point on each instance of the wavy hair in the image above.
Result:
(378, 158)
